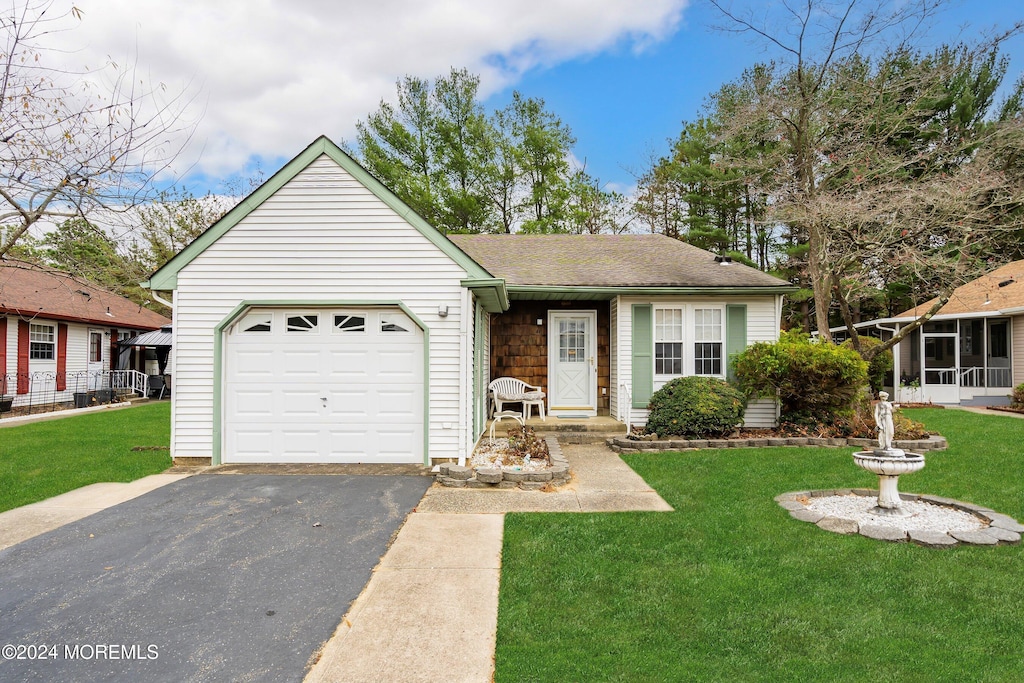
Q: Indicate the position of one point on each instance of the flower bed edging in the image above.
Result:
(457, 476)
(621, 444)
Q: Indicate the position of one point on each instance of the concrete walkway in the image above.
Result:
(25, 522)
(430, 611)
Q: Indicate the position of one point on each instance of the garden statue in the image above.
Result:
(887, 462)
(883, 419)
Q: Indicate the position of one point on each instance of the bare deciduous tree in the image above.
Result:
(885, 160)
(74, 142)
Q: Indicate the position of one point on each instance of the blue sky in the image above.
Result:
(267, 78)
(624, 106)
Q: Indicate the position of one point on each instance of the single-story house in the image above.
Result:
(60, 334)
(322, 320)
(970, 353)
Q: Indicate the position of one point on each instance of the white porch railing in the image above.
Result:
(980, 377)
(626, 394)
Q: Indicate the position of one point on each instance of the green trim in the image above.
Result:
(166, 278)
(478, 370)
(237, 311)
(642, 367)
(645, 291)
(735, 335)
(489, 291)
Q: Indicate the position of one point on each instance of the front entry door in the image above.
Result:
(572, 363)
(95, 363)
(941, 382)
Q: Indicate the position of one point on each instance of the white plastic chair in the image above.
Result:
(512, 390)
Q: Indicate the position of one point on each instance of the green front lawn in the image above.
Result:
(44, 459)
(730, 588)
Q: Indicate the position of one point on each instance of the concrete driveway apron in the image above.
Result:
(211, 578)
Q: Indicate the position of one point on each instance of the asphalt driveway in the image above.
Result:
(211, 578)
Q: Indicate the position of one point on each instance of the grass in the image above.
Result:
(44, 459)
(729, 587)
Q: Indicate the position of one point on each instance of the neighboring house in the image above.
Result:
(322, 320)
(970, 353)
(59, 334)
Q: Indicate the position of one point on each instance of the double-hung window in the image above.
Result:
(707, 341)
(689, 339)
(668, 341)
(41, 344)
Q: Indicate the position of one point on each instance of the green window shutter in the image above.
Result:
(735, 333)
(643, 355)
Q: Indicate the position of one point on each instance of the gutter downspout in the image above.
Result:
(160, 299)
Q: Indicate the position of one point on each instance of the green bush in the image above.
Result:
(878, 366)
(695, 406)
(815, 382)
(1018, 396)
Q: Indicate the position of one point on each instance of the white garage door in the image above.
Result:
(323, 385)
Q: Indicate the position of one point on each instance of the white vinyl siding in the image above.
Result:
(762, 325)
(321, 237)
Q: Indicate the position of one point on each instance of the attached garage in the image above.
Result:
(323, 384)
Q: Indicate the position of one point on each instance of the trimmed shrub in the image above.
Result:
(878, 366)
(695, 406)
(1017, 399)
(815, 382)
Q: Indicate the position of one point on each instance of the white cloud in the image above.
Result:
(272, 75)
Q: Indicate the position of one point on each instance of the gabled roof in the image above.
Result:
(608, 261)
(166, 278)
(993, 292)
(32, 291)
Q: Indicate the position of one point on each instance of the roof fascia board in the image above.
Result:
(994, 313)
(647, 291)
(490, 291)
(41, 316)
(166, 278)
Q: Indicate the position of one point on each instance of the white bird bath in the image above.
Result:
(889, 464)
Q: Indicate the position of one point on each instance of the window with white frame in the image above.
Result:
(707, 341)
(41, 344)
(668, 341)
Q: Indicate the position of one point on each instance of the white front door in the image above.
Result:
(95, 363)
(572, 363)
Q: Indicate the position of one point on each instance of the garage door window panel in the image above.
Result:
(349, 324)
(302, 323)
(257, 322)
(391, 322)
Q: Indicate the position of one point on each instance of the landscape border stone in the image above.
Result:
(557, 474)
(1000, 530)
(624, 444)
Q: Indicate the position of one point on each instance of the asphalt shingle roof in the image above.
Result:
(1003, 288)
(605, 261)
(30, 290)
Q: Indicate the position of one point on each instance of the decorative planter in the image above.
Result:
(6, 403)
